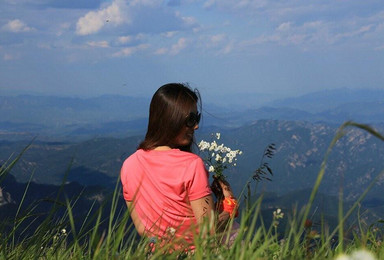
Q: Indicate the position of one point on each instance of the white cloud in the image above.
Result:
(161, 51)
(312, 34)
(306, 24)
(174, 49)
(356, 32)
(44, 46)
(228, 48)
(222, 43)
(209, 3)
(288, 34)
(131, 39)
(177, 47)
(169, 34)
(115, 14)
(314, 25)
(149, 3)
(9, 57)
(296, 39)
(188, 20)
(128, 51)
(215, 39)
(64, 27)
(260, 40)
(17, 26)
(99, 44)
(284, 27)
(230, 5)
(124, 39)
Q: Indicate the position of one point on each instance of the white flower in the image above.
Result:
(171, 231)
(278, 214)
(219, 156)
(203, 145)
(342, 257)
(213, 146)
(63, 231)
(361, 254)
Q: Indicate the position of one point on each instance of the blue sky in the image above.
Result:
(283, 48)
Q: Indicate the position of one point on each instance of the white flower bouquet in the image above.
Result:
(219, 157)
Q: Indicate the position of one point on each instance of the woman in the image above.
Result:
(165, 185)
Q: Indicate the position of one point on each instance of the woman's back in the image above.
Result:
(161, 185)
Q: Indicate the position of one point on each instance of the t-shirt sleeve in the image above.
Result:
(198, 183)
(123, 177)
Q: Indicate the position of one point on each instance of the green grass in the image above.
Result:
(106, 232)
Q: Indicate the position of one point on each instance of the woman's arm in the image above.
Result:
(222, 191)
(203, 209)
(135, 218)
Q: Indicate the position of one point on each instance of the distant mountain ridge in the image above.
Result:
(63, 111)
(22, 117)
(364, 112)
(85, 142)
(324, 100)
(355, 161)
(300, 145)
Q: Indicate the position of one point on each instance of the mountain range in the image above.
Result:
(83, 143)
(300, 148)
(66, 118)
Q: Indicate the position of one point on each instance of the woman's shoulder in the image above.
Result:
(173, 155)
(133, 157)
(187, 155)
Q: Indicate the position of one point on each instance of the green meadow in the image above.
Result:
(106, 232)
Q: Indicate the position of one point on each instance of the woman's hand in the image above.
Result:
(226, 188)
(221, 188)
(226, 202)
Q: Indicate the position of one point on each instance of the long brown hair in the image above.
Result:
(170, 105)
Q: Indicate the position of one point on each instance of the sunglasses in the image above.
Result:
(192, 119)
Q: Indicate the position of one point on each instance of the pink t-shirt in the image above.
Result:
(161, 184)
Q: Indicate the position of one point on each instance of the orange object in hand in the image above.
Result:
(230, 205)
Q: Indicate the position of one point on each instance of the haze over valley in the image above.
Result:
(85, 141)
